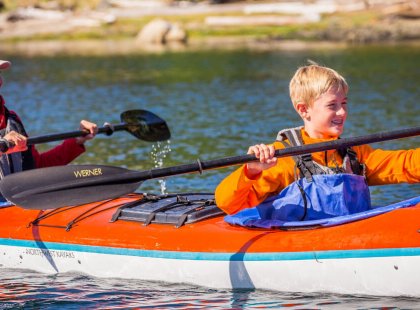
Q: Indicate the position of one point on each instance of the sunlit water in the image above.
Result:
(216, 104)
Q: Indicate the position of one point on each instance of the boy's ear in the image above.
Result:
(302, 109)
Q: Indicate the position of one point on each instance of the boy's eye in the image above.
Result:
(334, 105)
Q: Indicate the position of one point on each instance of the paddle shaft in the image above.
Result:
(107, 129)
(60, 186)
(199, 166)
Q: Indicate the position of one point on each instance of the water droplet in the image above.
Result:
(158, 153)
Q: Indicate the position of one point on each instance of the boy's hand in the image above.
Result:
(16, 141)
(265, 153)
(87, 126)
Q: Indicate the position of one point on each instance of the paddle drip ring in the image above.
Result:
(109, 128)
(200, 166)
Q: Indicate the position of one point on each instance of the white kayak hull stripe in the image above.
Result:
(210, 256)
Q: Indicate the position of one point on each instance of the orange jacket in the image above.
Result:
(237, 191)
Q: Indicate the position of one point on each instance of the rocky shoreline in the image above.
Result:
(393, 30)
(37, 28)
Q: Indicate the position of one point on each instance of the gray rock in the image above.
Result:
(176, 34)
(160, 31)
(154, 32)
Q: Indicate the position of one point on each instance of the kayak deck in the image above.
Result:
(93, 224)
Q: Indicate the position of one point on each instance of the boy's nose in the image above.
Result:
(341, 111)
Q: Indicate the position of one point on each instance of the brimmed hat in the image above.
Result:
(4, 64)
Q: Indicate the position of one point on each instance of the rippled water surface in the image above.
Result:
(216, 104)
(76, 291)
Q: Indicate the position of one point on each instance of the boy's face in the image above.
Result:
(326, 117)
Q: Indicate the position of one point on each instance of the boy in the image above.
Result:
(318, 185)
(19, 157)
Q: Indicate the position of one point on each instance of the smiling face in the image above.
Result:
(319, 95)
(325, 118)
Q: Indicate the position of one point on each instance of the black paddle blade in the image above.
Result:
(146, 126)
(60, 186)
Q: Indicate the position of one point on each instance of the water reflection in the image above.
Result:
(76, 291)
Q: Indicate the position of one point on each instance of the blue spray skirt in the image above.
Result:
(251, 217)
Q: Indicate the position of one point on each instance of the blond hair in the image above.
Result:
(312, 81)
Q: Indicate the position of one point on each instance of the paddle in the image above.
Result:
(142, 124)
(78, 184)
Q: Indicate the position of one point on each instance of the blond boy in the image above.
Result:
(319, 96)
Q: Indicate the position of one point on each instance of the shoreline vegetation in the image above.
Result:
(118, 26)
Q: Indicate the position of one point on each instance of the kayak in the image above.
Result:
(183, 238)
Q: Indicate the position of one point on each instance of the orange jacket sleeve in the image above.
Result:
(390, 167)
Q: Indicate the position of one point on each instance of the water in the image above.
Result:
(216, 104)
(77, 291)
(160, 150)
